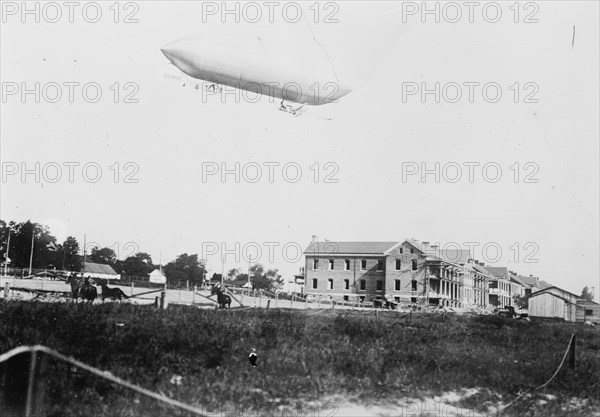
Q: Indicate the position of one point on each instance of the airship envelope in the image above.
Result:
(256, 67)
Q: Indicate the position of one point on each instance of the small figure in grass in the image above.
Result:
(252, 357)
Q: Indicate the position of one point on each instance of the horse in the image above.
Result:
(114, 293)
(88, 292)
(76, 284)
(222, 299)
(81, 287)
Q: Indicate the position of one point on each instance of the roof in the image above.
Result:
(530, 281)
(157, 271)
(450, 255)
(457, 256)
(357, 248)
(517, 279)
(534, 282)
(547, 290)
(498, 271)
(583, 302)
(481, 270)
(92, 268)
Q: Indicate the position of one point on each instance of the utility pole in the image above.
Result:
(249, 260)
(31, 254)
(222, 271)
(84, 253)
(6, 254)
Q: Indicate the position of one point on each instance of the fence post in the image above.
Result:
(276, 299)
(332, 304)
(573, 351)
(268, 304)
(163, 300)
(194, 295)
(131, 288)
(37, 385)
(187, 285)
(292, 300)
(6, 286)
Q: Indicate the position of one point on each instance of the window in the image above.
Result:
(398, 264)
(414, 264)
(363, 284)
(589, 312)
(400, 250)
(331, 264)
(346, 298)
(380, 265)
(346, 284)
(347, 264)
(330, 284)
(412, 250)
(315, 264)
(379, 285)
(315, 283)
(397, 285)
(363, 264)
(414, 284)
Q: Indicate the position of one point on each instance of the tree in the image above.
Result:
(275, 278)
(138, 265)
(586, 294)
(185, 268)
(233, 273)
(271, 280)
(521, 302)
(103, 256)
(44, 244)
(67, 255)
(257, 270)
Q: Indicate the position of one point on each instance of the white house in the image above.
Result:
(158, 277)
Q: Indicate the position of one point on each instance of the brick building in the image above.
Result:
(405, 271)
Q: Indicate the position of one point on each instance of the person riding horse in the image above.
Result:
(222, 299)
(81, 287)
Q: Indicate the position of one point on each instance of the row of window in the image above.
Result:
(363, 284)
(363, 264)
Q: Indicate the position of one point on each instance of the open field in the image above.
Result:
(351, 364)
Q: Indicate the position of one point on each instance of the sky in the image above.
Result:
(534, 208)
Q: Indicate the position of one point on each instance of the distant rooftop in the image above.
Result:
(333, 248)
(92, 268)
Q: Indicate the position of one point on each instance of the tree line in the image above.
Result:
(48, 253)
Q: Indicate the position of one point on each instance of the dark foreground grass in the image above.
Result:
(302, 357)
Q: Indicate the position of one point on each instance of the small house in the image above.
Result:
(553, 302)
(157, 277)
(588, 311)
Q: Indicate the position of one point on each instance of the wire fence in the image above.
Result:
(38, 356)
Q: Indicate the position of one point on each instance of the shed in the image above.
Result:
(102, 271)
(158, 277)
(588, 310)
(553, 302)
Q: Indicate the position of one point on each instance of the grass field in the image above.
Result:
(303, 357)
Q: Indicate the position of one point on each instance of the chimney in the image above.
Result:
(426, 245)
(315, 238)
(481, 263)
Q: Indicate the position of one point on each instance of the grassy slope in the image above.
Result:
(301, 357)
